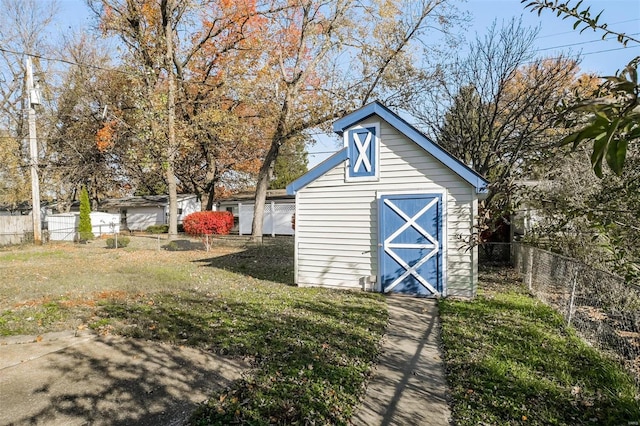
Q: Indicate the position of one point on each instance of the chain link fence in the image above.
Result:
(494, 254)
(603, 308)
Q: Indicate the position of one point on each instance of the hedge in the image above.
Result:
(208, 223)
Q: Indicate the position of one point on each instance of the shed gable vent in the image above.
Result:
(362, 146)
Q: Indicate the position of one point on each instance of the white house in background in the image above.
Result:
(278, 210)
(388, 212)
(137, 213)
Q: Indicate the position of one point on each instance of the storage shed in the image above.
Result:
(388, 212)
(137, 213)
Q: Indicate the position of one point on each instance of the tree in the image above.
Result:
(610, 116)
(149, 29)
(23, 28)
(501, 105)
(590, 219)
(14, 184)
(181, 72)
(81, 146)
(244, 79)
(290, 164)
(84, 227)
(330, 57)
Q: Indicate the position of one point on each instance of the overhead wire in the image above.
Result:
(573, 31)
(131, 73)
(138, 74)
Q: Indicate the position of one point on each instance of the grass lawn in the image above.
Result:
(510, 360)
(311, 349)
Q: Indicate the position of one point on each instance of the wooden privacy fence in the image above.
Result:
(15, 229)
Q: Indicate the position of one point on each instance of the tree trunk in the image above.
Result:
(265, 171)
(211, 195)
(261, 192)
(171, 118)
(210, 181)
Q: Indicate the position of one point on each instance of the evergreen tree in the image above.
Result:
(84, 228)
(290, 164)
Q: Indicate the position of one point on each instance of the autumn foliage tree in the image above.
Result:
(608, 117)
(24, 26)
(247, 78)
(327, 58)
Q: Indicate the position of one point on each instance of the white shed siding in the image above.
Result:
(104, 223)
(343, 216)
(140, 218)
(187, 206)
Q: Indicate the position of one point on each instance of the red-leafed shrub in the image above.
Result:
(208, 223)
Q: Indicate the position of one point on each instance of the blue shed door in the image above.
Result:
(409, 250)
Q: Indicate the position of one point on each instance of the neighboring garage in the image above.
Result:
(389, 212)
(137, 213)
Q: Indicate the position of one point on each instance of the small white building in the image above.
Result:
(388, 212)
(137, 213)
(64, 226)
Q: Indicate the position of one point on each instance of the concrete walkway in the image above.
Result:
(70, 379)
(408, 387)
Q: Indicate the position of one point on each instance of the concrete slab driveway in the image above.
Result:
(68, 379)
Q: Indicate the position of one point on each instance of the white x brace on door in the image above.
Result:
(410, 248)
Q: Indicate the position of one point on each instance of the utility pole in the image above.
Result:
(34, 99)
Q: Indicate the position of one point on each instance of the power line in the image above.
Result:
(579, 43)
(609, 50)
(96, 67)
(573, 31)
(66, 61)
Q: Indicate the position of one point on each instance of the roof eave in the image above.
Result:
(446, 158)
(317, 171)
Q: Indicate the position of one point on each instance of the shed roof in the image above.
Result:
(141, 201)
(272, 194)
(376, 108)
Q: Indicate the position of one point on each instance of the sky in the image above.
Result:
(602, 57)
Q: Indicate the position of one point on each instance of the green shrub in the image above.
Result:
(122, 242)
(84, 228)
(157, 229)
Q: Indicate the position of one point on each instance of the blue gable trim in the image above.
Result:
(322, 168)
(376, 108)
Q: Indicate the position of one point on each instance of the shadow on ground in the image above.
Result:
(183, 245)
(112, 381)
(264, 262)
